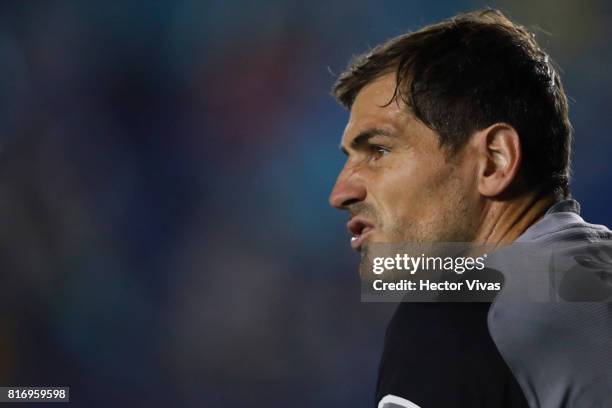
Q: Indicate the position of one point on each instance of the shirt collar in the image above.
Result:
(559, 215)
(568, 205)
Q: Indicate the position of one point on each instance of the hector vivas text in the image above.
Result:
(413, 264)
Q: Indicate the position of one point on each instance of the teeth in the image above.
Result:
(354, 238)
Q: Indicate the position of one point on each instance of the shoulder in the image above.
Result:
(553, 320)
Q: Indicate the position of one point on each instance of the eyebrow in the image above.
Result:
(362, 138)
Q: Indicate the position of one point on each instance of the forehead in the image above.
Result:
(371, 108)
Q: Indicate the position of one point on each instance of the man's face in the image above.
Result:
(398, 184)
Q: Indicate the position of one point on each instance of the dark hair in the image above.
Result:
(469, 72)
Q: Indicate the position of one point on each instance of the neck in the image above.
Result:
(505, 221)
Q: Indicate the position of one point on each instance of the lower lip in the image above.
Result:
(357, 242)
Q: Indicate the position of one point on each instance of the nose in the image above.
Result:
(348, 190)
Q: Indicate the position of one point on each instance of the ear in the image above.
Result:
(499, 158)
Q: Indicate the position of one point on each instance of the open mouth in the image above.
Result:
(359, 230)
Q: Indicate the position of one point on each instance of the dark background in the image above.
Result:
(165, 237)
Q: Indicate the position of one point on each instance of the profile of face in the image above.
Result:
(398, 184)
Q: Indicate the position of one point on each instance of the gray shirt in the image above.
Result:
(552, 322)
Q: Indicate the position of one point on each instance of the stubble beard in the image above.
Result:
(454, 222)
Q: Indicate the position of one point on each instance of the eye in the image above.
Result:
(378, 151)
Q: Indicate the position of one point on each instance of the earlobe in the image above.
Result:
(499, 150)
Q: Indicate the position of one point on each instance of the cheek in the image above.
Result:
(398, 191)
(413, 192)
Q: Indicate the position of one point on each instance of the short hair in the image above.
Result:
(469, 72)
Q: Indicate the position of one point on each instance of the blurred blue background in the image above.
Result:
(165, 237)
